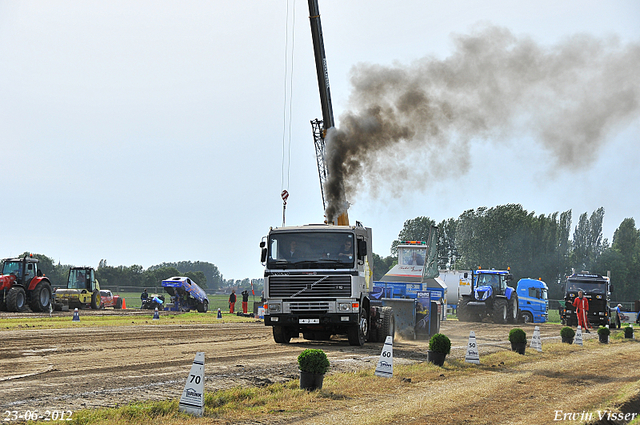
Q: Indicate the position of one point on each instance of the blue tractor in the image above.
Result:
(490, 297)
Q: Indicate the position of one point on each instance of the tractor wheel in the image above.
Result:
(16, 299)
(118, 304)
(500, 311)
(357, 335)
(41, 297)
(513, 311)
(3, 303)
(281, 335)
(96, 300)
(388, 324)
(464, 315)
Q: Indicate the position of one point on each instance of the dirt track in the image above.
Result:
(92, 367)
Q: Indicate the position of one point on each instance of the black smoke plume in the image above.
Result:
(405, 121)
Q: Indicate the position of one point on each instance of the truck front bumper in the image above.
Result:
(311, 320)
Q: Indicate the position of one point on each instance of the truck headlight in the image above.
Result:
(274, 307)
(344, 307)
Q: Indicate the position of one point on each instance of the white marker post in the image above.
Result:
(536, 342)
(192, 400)
(578, 339)
(384, 368)
(473, 355)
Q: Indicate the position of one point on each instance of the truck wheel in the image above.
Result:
(96, 301)
(41, 297)
(500, 311)
(512, 311)
(388, 324)
(118, 304)
(357, 335)
(16, 299)
(281, 335)
(527, 317)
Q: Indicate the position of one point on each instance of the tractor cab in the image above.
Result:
(487, 283)
(82, 278)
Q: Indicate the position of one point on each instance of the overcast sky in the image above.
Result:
(146, 132)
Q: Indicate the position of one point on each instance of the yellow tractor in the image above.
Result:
(83, 290)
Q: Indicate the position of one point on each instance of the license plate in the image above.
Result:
(309, 321)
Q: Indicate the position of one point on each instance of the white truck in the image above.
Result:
(317, 282)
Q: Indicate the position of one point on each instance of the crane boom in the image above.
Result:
(320, 127)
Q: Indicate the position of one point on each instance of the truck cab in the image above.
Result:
(317, 282)
(597, 289)
(534, 304)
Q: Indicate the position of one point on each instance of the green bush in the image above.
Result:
(628, 332)
(313, 361)
(440, 343)
(567, 332)
(517, 336)
(602, 331)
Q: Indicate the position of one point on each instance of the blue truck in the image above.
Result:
(185, 295)
(532, 297)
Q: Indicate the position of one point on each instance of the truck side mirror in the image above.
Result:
(262, 244)
(466, 275)
(611, 289)
(263, 255)
(362, 248)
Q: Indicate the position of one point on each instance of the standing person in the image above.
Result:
(232, 301)
(144, 297)
(582, 308)
(245, 301)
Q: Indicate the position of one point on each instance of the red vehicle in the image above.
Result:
(110, 300)
(22, 284)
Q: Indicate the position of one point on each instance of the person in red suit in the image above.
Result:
(582, 309)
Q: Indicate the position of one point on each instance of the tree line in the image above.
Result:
(535, 246)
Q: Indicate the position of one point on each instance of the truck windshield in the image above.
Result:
(589, 287)
(544, 294)
(311, 250)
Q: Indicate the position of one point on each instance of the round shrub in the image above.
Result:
(440, 343)
(313, 361)
(602, 331)
(628, 332)
(567, 332)
(517, 336)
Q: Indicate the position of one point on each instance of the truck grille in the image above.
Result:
(310, 286)
(306, 307)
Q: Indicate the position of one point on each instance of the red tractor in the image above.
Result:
(22, 284)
